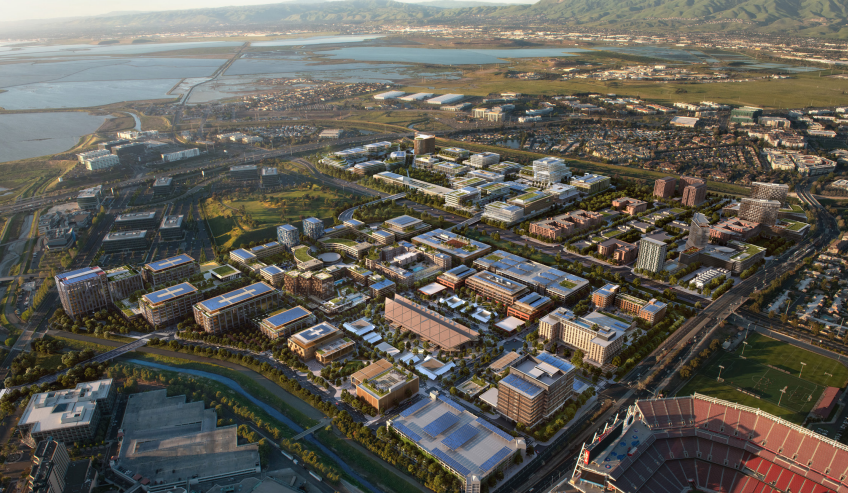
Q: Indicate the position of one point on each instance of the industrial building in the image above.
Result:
(68, 415)
(163, 186)
(236, 308)
(244, 172)
(171, 228)
(169, 443)
(170, 305)
(136, 220)
(325, 342)
(651, 255)
(170, 269)
(284, 323)
(120, 241)
(83, 291)
(383, 385)
(536, 387)
(468, 446)
(427, 324)
(446, 99)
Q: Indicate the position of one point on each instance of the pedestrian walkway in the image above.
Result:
(324, 422)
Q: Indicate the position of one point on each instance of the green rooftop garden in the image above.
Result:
(224, 271)
(793, 208)
(749, 250)
(568, 284)
(612, 233)
(302, 254)
(677, 211)
(794, 225)
(339, 241)
(493, 258)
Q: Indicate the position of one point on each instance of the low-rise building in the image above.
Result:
(455, 278)
(163, 186)
(630, 206)
(273, 275)
(503, 212)
(89, 199)
(383, 385)
(620, 251)
(245, 172)
(236, 308)
(530, 307)
(590, 183)
(324, 342)
(428, 325)
(566, 224)
(537, 277)
(459, 248)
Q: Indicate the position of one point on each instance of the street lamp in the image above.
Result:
(720, 367)
(782, 393)
(743, 347)
(802, 369)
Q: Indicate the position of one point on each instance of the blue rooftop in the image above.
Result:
(272, 269)
(170, 293)
(242, 253)
(287, 316)
(79, 275)
(169, 262)
(264, 247)
(235, 297)
(552, 360)
(315, 332)
(522, 386)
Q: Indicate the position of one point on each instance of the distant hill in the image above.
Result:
(828, 18)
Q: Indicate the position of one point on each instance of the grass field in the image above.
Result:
(749, 377)
(229, 229)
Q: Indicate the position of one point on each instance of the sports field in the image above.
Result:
(768, 366)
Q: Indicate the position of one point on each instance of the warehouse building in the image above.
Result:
(170, 305)
(236, 308)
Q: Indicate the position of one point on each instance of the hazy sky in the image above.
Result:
(43, 9)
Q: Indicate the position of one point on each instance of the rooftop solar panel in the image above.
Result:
(272, 269)
(170, 262)
(414, 408)
(315, 332)
(450, 402)
(73, 273)
(522, 386)
(496, 459)
(563, 365)
(237, 296)
(494, 429)
(170, 293)
(440, 424)
(241, 252)
(287, 316)
(451, 462)
(406, 431)
(459, 437)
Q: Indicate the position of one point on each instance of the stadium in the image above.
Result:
(700, 443)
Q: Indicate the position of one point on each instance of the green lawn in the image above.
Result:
(339, 241)
(302, 254)
(754, 376)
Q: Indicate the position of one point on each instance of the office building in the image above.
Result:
(136, 220)
(598, 343)
(273, 275)
(605, 297)
(245, 172)
(102, 162)
(469, 447)
(288, 236)
(455, 278)
(313, 228)
(53, 472)
(324, 342)
(629, 206)
(170, 305)
(85, 156)
(769, 191)
(454, 154)
(651, 255)
(284, 323)
(120, 241)
(430, 326)
(652, 311)
(542, 279)
(170, 157)
(68, 415)
(666, 187)
(530, 307)
(89, 199)
(171, 228)
(590, 183)
(566, 224)
(699, 232)
(620, 251)
(536, 388)
(424, 144)
(735, 256)
(269, 177)
(759, 211)
(168, 443)
(746, 115)
(459, 248)
(496, 288)
(464, 198)
(483, 160)
(123, 281)
(533, 202)
(170, 269)
(550, 170)
(83, 291)
(236, 308)
(503, 212)
(694, 194)
(383, 385)
(163, 186)
(405, 227)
